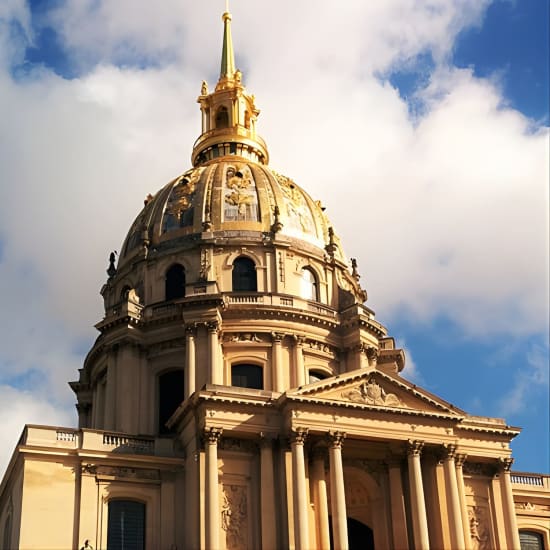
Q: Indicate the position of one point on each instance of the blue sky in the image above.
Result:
(434, 122)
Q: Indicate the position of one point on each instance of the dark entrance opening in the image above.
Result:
(360, 536)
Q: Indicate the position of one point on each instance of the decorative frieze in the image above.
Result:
(146, 474)
(478, 469)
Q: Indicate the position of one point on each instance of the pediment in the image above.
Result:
(372, 388)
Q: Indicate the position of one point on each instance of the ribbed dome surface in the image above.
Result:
(230, 197)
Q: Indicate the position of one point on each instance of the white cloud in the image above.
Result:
(18, 408)
(447, 214)
(530, 379)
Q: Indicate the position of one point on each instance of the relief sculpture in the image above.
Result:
(240, 198)
(298, 212)
(234, 516)
(179, 212)
(479, 531)
(371, 393)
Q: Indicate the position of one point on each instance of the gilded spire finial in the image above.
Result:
(228, 56)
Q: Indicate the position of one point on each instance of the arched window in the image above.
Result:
(126, 525)
(175, 282)
(316, 375)
(309, 288)
(247, 376)
(170, 396)
(531, 540)
(244, 275)
(222, 118)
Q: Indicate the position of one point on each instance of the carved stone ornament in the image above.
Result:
(371, 393)
(478, 469)
(234, 444)
(212, 435)
(243, 337)
(336, 439)
(414, 447)
(479, 528)
(299, 436)
(234, 516)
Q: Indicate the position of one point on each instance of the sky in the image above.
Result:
(423, 126)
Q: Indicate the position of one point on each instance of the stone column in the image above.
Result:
(338, 491)
(455, 513)
(277, 361)
(459, 462)
(212, 535)
(418, 506)
(398, 517)
(267, 495)
(299, 360)
(301, 528)
(214, 375)
(508, 503)
(320, 498)
(190, 361)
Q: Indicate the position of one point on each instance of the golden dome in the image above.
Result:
(231, 199)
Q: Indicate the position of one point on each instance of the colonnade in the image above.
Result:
(457, 514)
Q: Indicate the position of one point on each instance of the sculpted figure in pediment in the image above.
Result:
(371, 393)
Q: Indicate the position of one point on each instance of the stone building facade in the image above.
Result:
(240, 394)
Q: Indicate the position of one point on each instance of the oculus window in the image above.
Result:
(244, 275)
(126, 525)
(247, 376)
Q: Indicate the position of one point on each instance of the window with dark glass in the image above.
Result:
(247, 376)
(309, 286)
(170, 396)
(316, 375)
(175, 282)
(126, 525)
(244, 275)
(531, 540)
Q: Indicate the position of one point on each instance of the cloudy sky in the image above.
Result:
(422, 125)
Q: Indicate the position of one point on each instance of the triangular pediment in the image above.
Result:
(373, 388)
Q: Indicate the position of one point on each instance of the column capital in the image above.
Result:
(191, 329)
(460, 459)
(212, 326)
(336, 439)
(299, 435)
(213, 435)
(505, 464)
(277, 336)
(298, 340)
(448, 451)
(414, 447)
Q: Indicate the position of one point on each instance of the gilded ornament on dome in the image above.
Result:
(299, 214)
(240, 196)
(179, 212)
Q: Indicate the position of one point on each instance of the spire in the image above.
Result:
(228, 57)
(229, 113)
